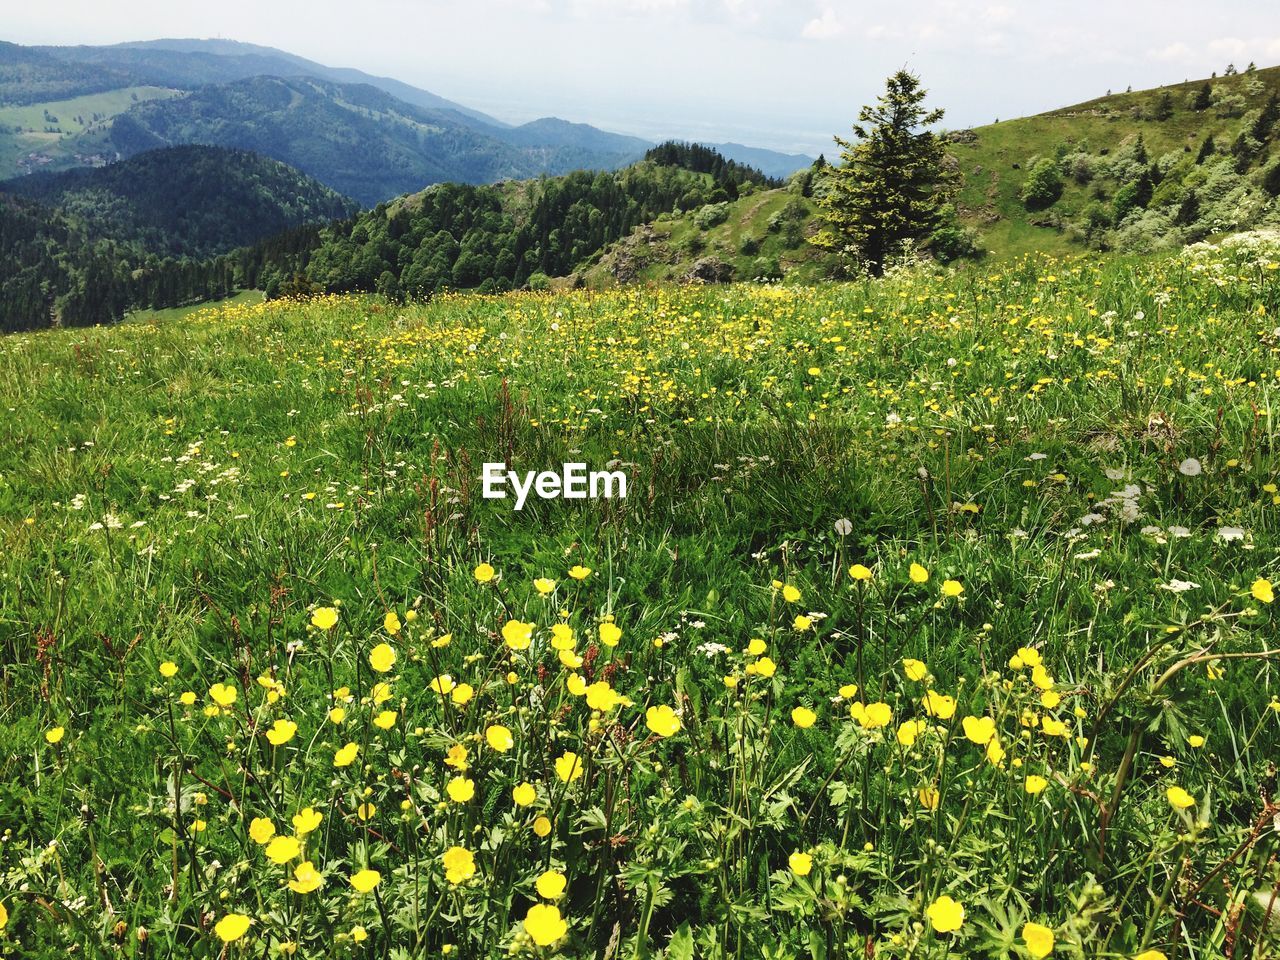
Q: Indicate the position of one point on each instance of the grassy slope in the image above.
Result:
(69, 136)
(989, 200)
(663, 247)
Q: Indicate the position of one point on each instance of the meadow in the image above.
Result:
(938, 622)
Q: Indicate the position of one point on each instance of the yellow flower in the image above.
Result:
(756, 646)
(187, 698)
(551, 885)
(261, 830)
(456, 757)
(859, 572)
(345, 756)
(459, 865)
(662, 720)
(800, 863)
(1035, 784)
(324, 618)
(790, 593)
(232, 927)
(385, 720)
(307, 820)
(168, 669)
(1038, 938)
(283, 849)
(939, 705)
(517, 635)
(1151, 955)
(461, 789)
(281, 732)
(1179, 799)
(443, 684)
(542, 826)
(391, 623)
(995, 752)
(910, 730)
(483, 573)
(765, 667)
(929, 797)
(849, 691)
(223, 694)
(55, 734)
(524, 794)
(568, 766)
(918, 573)
(544, 924)
(945, 915)
(610, 634)
(873, 715)
(1262, 591)
(306, 878)
(4, 916)
(366, 811)
(462, 694)
(952, 588)
(600, 696)
(1195, 741)
(579, 572)
(914, 669)
(499, 738)
(1040, 677)
(359, 934)
(382, 658)
(801, 623)
(979, 730)
(569, 659)
(365, 880)
(562, 636)
(803, 717)
(544, 585)
(577, 685)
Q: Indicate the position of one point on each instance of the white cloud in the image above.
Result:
(1174, 51)
(824, 27)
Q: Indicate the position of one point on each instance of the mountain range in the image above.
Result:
(368, 137)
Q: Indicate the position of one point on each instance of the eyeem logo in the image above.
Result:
(573, 482)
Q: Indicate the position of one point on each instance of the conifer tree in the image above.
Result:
(892, 182)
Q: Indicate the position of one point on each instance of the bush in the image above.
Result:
(1043, 185)
(953, 242)
(712, 215)
(538, 282)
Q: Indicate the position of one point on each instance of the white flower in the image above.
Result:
(1089, 555)
(710, 649)
(1179, 586)
(844, 527)
(1230, 534)
(1114, 473)
(1190, 467)
(1176, 531)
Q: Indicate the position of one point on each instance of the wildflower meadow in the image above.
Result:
(938, 621)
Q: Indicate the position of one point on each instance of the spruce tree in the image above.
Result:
(893, 180)
(1204, 98)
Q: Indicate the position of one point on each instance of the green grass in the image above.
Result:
(1080, 455)
(76, 130)
(173, 314)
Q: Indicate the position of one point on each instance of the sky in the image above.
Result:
(784, 74)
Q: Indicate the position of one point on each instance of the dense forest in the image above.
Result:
(54, 271)
(454, 236)
(187, 201)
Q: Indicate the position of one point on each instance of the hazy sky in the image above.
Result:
(779, 73)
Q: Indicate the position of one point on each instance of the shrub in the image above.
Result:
(1043, 185)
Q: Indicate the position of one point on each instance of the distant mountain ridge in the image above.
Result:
(220, 92)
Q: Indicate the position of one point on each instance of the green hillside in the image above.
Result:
(1094, 144)
(60, 134)
(1133, 170)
